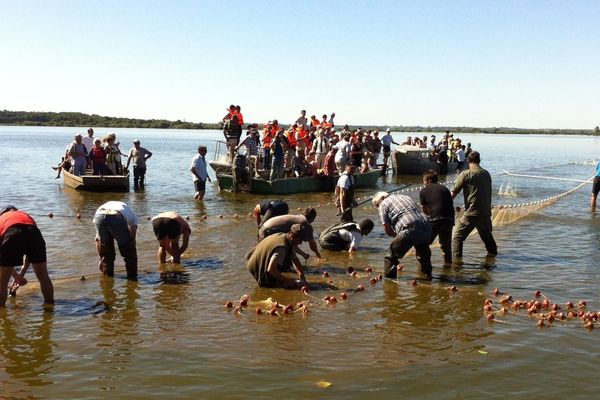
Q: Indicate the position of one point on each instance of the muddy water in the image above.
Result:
(170, 335)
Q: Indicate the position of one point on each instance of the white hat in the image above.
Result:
(388, 130)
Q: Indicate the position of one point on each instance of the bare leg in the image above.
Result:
(5, 274)
(593, 203)
(41, 272)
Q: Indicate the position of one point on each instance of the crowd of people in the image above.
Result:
(307, 147)
(103, 157)
(410, 226)
(448, 149)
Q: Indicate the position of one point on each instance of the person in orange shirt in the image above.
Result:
(291, 145)
(314, 121)
(301, 138)
(266, 139)
(238, 112)
(324, 123)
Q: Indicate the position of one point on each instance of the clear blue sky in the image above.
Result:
(530, 64)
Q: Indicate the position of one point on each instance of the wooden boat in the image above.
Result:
(97, 183)
(411, 160)
(317, 183)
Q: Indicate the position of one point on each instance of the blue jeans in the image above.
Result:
(111, 227)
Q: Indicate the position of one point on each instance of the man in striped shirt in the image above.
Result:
(403, 220)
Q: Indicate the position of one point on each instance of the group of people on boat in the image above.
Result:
(448, 149)
(103, 157)
(308, 147)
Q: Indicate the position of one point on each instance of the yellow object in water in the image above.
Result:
(324, 384)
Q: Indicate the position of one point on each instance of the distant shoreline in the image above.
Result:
(72, 119)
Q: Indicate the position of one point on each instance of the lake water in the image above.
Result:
(174, 338)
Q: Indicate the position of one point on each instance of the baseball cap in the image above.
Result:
(388, 130)
(303, 231)
(136, 140)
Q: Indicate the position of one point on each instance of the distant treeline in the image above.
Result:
(86, 120)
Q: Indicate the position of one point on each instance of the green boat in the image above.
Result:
(296, 185)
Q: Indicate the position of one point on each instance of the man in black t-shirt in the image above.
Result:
(438, 205)
(267, 209)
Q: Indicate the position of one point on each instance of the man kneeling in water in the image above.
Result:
(275, 254)
(345, 235)
(168, 228)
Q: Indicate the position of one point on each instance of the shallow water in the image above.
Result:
(170, 335)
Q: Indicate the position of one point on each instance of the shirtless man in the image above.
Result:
(283, 224)
(168, 228)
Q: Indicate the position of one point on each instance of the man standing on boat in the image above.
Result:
(78, 153)
(476, 184)
(114, 220)
(200, 172)
(89, 141)
(437, 204)
(302, 121)
(139, 155)
(405, 222)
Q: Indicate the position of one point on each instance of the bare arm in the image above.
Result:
(313, 246)
(184, 243)
(388, 230)
(273, 270)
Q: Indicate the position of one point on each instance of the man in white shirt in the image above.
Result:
(114, 220)
(200, 172)
(88, 141)
(344, 193)
(345, 235)
(341, 157)
(302, 119)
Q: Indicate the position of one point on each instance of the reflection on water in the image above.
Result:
(169, 334)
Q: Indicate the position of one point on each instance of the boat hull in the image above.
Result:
(97, 183)
(415, 163)
(298, 185)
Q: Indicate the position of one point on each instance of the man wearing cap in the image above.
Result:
(139, 155)
(275, 254)
(283, 224)
(19, 236)
(403, 220)
(115, 220)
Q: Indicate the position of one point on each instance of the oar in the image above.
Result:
(370, 198)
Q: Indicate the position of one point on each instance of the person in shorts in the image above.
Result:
(168, 228)
(596, 187)
(200, 172)
(114, 220)
(20, 236)
(268, 209)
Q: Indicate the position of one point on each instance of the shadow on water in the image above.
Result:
(80, 307)
(204, 263)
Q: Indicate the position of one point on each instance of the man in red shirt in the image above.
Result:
(19, 236)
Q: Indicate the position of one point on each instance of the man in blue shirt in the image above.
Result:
(596, 187)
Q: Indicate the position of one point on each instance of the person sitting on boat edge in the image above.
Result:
(249, 147)
(283, 223)
(275, 254)
(65, 163)
(20, 236)
(345, 235)
(168, 228)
